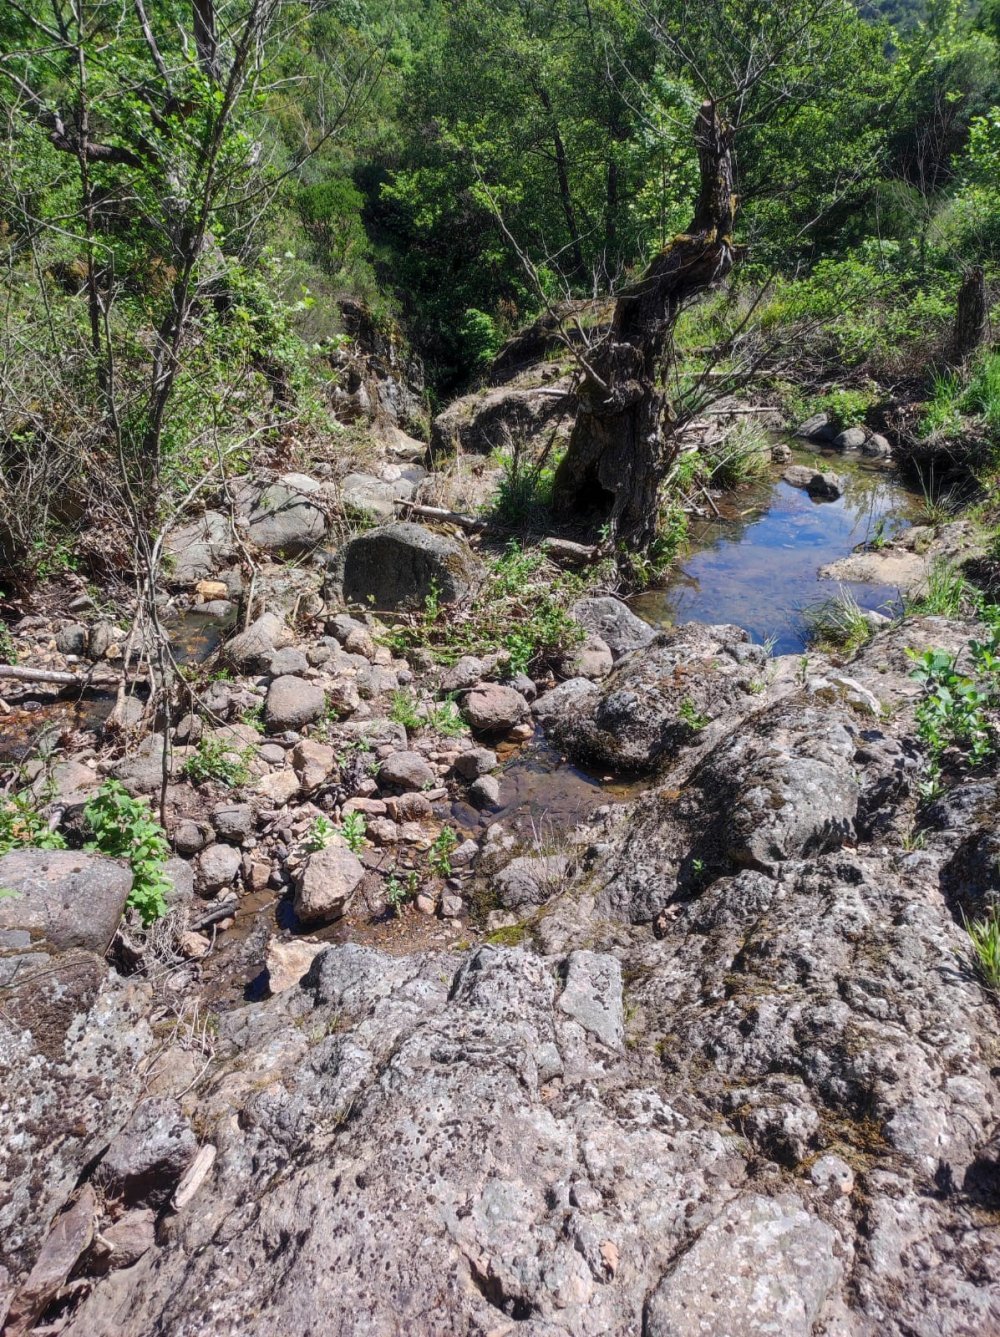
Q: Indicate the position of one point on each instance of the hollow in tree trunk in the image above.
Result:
(622, 442)
(972, 320)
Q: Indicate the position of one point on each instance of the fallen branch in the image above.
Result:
(444, 516)
(24, 673)
(556, 548)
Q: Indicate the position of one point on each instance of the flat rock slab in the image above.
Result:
(763, 1267)
(905, 570)
(64, 897)
(284, 517)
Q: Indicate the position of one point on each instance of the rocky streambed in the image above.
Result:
(678, 1032)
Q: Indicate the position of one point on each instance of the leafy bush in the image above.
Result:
(353, 828)
(519, 608)
(21, 824)
(123, 828)
(216, 760)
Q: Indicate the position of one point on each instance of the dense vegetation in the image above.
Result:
(186, 189)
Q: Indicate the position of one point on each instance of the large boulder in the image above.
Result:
(375, 496)
(656, 701)
(492, 708)
(399, 565)
(326, 883)
(64, 898)
(199, 549)
(292, 703)
(614, 622)
(285, 517)
(252, 650)
(490, 419)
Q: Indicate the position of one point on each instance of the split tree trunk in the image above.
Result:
(622, 443)
(972, 319)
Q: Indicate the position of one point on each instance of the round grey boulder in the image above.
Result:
(326, 883)
(405, 771)
(494, 709)
(293, 702)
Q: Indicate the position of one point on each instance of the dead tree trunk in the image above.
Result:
(622, 442)
(972, 319)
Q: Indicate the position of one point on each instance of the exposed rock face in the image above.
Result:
(489, 419)
(283, 517)
(656, 700)
(743, 1082)
(72, 1037)
(61, 898)
(615, 623)
(397, 566)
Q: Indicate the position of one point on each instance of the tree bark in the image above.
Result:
(972, 319)
(622, 442)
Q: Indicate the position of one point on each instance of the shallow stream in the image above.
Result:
(757, 565)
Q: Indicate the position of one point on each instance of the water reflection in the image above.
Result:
(758, 565)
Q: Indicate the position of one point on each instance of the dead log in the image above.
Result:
(557, 548)
(623, 441)
(972, 315)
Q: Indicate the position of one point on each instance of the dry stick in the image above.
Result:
(583, 551)
(23, 673)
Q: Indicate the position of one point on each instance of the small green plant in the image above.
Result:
(8, 650)
(953, 709)
(984, 938)
(403, 710)
(21, 824)
(948, 593)
(353, 828)
(123, 828)
(398, 893)
(692, 716)
(319, 835)
(214, 759)
(446, 720)
(254, 717)
(838, 623)
(440, 853)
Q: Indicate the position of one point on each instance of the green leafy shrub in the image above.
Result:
(441, 849)
(847, 408)
(353, 828)
(214, 759)
(123, 828)
(21, 824)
